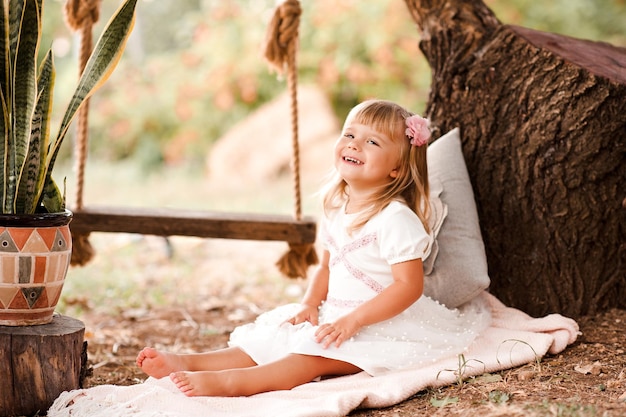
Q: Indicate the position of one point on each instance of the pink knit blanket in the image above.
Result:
(513, 339)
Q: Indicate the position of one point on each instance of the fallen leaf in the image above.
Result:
(586, 369)
(526, 375)
(592, 368)
(488, 378)
(498, 397)
(442, 402)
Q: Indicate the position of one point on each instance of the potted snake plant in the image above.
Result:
(35, 241)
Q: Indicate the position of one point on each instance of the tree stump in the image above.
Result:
(37, 363)
(543, 124)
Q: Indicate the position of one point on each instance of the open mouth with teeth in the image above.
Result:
(352, 160)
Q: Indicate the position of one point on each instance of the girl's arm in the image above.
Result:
(316, 293)
(405, 290)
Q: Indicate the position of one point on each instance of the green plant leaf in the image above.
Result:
(51, 197)
(442, 402)
(5, 76)
(4, 149)
(30, 170)
(498, 397)
(5, 57)
(14, 14)
(103, 60)
(27, 154)
(5, 94)
(22, 102)
(488, 378)
(32, 179)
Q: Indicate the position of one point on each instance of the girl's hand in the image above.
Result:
(338, 332)
(307, 313)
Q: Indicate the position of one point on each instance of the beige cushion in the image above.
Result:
(438, 213)
(458, 270)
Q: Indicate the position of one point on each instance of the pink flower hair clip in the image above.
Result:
(418, 130)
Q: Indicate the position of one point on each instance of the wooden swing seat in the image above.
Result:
(168, 222)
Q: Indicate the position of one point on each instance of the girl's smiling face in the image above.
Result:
(364, 157)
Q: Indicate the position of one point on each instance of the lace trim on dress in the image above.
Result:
(340, 257)
(335, 302)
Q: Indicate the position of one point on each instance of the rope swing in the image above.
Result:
(299, 233)
(81, 16)
(280, 52)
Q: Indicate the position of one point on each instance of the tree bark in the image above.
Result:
(543, 126)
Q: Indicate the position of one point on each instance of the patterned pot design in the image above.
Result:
(35, 253)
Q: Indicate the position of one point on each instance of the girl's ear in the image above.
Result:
(394, 173)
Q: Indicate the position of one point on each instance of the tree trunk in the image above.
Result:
(543, 125)
(37, 363)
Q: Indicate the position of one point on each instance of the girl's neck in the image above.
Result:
(357, 202)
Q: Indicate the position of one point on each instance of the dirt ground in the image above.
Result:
(188, 295)
(587, 379)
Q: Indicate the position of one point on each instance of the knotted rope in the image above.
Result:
(280, 51)
(80, 16)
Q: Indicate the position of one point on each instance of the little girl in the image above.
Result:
(363, 309)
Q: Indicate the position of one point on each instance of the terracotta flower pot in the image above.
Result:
(35, 252)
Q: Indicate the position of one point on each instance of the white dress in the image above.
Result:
(360, 268)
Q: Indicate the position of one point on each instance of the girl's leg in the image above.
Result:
(158, 364)
(283, 374)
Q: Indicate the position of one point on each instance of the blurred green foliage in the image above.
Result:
(601, 20)
(193, 68)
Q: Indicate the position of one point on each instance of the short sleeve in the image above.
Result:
(402, 236)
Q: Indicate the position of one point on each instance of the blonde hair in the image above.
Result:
(411, 183)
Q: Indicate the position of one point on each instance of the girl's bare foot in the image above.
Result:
(192, 384)
(158, 364)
